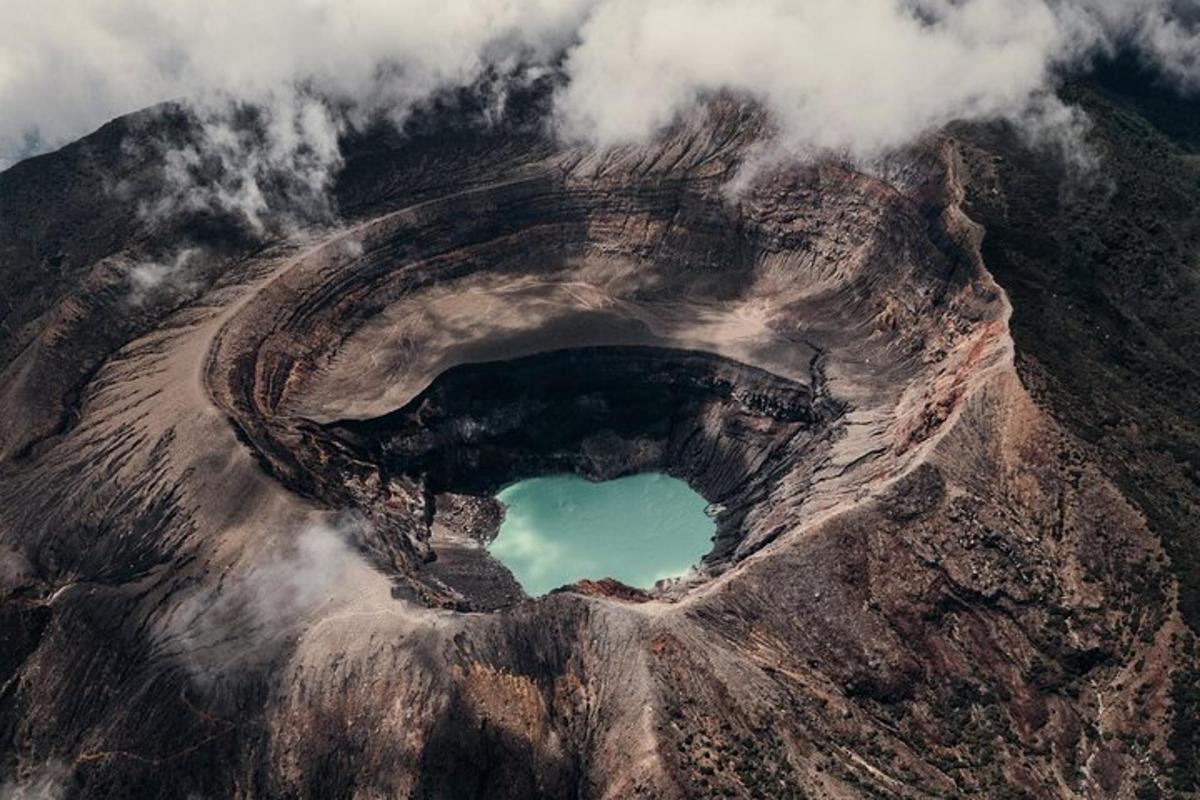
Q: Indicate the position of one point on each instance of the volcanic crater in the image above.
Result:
(564, 323)
(820, 352)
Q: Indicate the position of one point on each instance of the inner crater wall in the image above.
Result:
(730, 430)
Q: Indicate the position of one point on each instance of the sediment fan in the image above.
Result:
(922, 585)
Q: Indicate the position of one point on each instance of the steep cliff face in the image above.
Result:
(243, 544)
(1103, 280)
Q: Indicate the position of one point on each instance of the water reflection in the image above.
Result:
(638, 529)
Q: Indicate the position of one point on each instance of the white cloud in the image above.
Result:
(1165, 32)
(46, 782)
(291, 152)
(849, 75)
(66, 66)
(148, 277)
(859, 76)
(233, 623)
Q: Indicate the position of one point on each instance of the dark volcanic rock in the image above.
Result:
(245, 529)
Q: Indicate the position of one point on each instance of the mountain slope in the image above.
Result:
(241, 513)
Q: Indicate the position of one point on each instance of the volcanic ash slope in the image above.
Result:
(243, 529)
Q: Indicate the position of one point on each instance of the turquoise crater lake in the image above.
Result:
(638, 530)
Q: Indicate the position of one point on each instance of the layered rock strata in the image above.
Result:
(244, 559)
